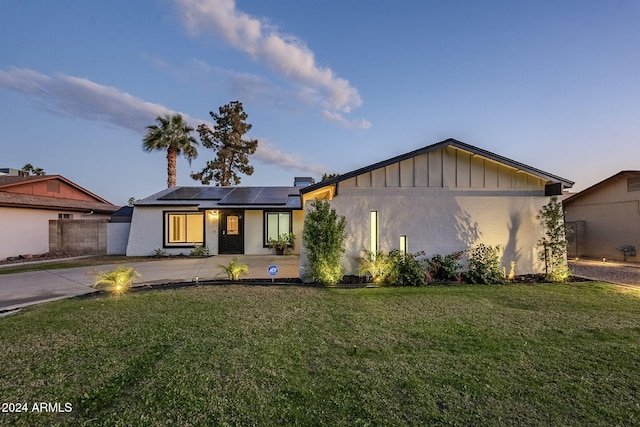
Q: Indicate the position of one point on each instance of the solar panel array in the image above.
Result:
(234, 196)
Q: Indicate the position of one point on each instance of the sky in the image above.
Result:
(328, 86)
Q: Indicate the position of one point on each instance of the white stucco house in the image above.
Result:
(439, 199)
(227, 220)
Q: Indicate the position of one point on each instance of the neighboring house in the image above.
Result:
(28, 203)
(227, 220)
(439, 199)
(605, 217)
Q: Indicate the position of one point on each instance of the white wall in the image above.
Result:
(146, 233)
(441, 221)
(25, 231)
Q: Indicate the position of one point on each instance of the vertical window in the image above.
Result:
(404, 244)
(275, 224)
(184, 228)
(233, 227)
(374, 231)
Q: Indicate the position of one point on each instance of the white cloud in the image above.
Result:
(335, 117)
(81, 98)
(269, 154)
(283, 53)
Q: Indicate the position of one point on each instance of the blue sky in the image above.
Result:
(328, 86)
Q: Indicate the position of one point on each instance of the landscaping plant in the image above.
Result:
(554, 242)
(117, 281)
(445, 268)
(234, 269)
(199, 250)
(483, 266)
(323, 234)
(375, 265)
(406, 269)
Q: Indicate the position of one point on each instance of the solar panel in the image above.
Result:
(256, 196)
(213, 193)
(182, 193)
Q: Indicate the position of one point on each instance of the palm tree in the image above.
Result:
(174, 136)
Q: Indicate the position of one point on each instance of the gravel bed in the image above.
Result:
(613, 272)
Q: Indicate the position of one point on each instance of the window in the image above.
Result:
(374, 232)
(275, 224)
(184, 229)
(404, 244)
(65, 216)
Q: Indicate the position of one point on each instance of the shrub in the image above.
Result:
(117, 281)
(159, 253)
(375, 265)
(234, 269)
(554, 242)
(323, 234)
(445, 268)
(484, 265)
(199, 250)
(406, 269)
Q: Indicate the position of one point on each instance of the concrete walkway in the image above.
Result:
(21, 289)
(619, 273)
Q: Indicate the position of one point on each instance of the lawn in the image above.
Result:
(59, 263)
(256, 355)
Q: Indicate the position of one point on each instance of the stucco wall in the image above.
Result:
(146, 233)
(611, 216)
(441, 221)
(117, 238)
(26, 231)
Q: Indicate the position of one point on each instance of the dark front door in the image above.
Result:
(231, 232)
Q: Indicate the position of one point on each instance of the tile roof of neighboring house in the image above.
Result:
(621, 174)
(8, 198)
(227, 197)
(446, 143)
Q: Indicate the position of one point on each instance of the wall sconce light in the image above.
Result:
(213, 214)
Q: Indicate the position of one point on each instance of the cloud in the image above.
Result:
(81, 98)
(269, 154)
(334, 117)
(283, 53)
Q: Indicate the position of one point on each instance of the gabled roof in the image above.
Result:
(595, 187)
(6, 182)
(10, 198)
(226, 197)
(446, 143)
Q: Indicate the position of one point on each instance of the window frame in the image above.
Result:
(166, 223)
(265, 224)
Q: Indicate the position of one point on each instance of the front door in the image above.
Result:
(231, 232)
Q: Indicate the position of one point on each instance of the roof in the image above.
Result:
(595, 187)
(43, 202)
(446, 143)
(10, 181)
(226, 197)
(13, 199)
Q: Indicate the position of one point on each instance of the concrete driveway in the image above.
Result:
(21, 289)
(619, 273)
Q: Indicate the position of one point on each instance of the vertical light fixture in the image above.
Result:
(374, 232)
(404, 244)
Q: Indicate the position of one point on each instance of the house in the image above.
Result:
(605, 217)
(227, 220)
(29, 203)
(441, 198)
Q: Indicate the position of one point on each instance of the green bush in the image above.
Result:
(234, 269)
(199, 250)
(445, 268)
(323, 235)
(484, 265)
(117, 281)
(375, 265)
(406, 269)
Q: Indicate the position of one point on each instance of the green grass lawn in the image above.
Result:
(59, 263)
(548, 355)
